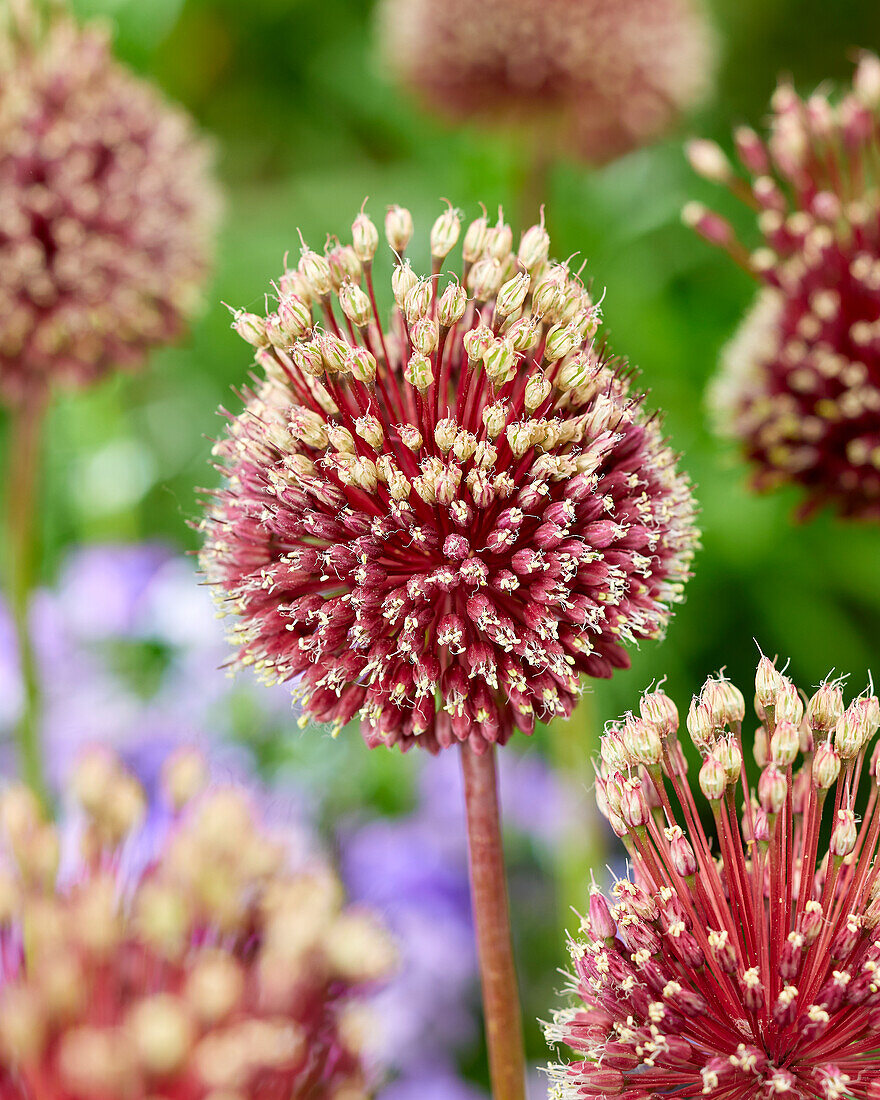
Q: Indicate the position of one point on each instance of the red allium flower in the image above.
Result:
(107, 207)
(745, 962)
(441, 524)
(600, 77)
(799, 386)
(214, 972)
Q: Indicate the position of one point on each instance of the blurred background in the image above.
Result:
(306, 126)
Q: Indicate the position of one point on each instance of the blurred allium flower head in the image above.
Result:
(799, 386)
(214, 972)
(743, 962)
(600, 77)
(107, 206)
(440, 524)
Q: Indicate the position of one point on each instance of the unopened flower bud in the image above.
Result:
(484, 279)
(500, 362)
(362, 365)
(642, 740)
(713, 781)
(825, 708)
(848, 734)
(315, 270)
(700, 724)
(825, 766)
(709, 160)
(444, 233)
(417, 303)
(634, 806)
(512, 295)
(656, 707)
(398, 228)
(184, 775)
(355, 305)
(772, 789)
(475, 239)
(534, 247)
(761, 747)
(789, 705)
(294, 316)
(561, 339)
(682, 855)
(419, 371)
(364, 238)
(843, 836)
(727, 751)
(495, 419)
(784, 744)
(425, 335)
(767, 682)
(250, 327)
(451, 305)
(403, 279)
(602, 926)
(536, 392)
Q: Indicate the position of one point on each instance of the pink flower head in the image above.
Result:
(596, 77)
(216, 971)
(799, 386)
(107, 207)
(744, 962)
(441, 524)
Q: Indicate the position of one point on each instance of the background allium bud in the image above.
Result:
(757, 970)
(451, 576)
(599, 76)
(214, 970)
(799, 386)
(107, 210)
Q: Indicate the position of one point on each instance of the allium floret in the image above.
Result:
(799, 386)
(214, 971)
(742, 962)
(107, 206)
(596, 77)
(441, 524)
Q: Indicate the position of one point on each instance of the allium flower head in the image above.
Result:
(799, 386)
(745, 961)
(600, 77)
(107, 206)
(441, 524)
(214, 972)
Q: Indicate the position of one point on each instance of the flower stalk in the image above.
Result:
(24, 465)
(501, 1005)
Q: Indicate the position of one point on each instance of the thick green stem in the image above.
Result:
(501, 1007)
(23, 470)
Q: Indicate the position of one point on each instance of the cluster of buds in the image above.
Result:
(596, 77)
(799, 386)
(744, 964)
(107, 206)
(215, 972)
(440, 524)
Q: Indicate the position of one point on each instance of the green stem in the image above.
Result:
(23, 466)
(501, 1007)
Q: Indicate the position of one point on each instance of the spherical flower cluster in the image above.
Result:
(212, 972)
(599, 77)
(745, 963)
(799, 386)
(107, 208)
(441, 524)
